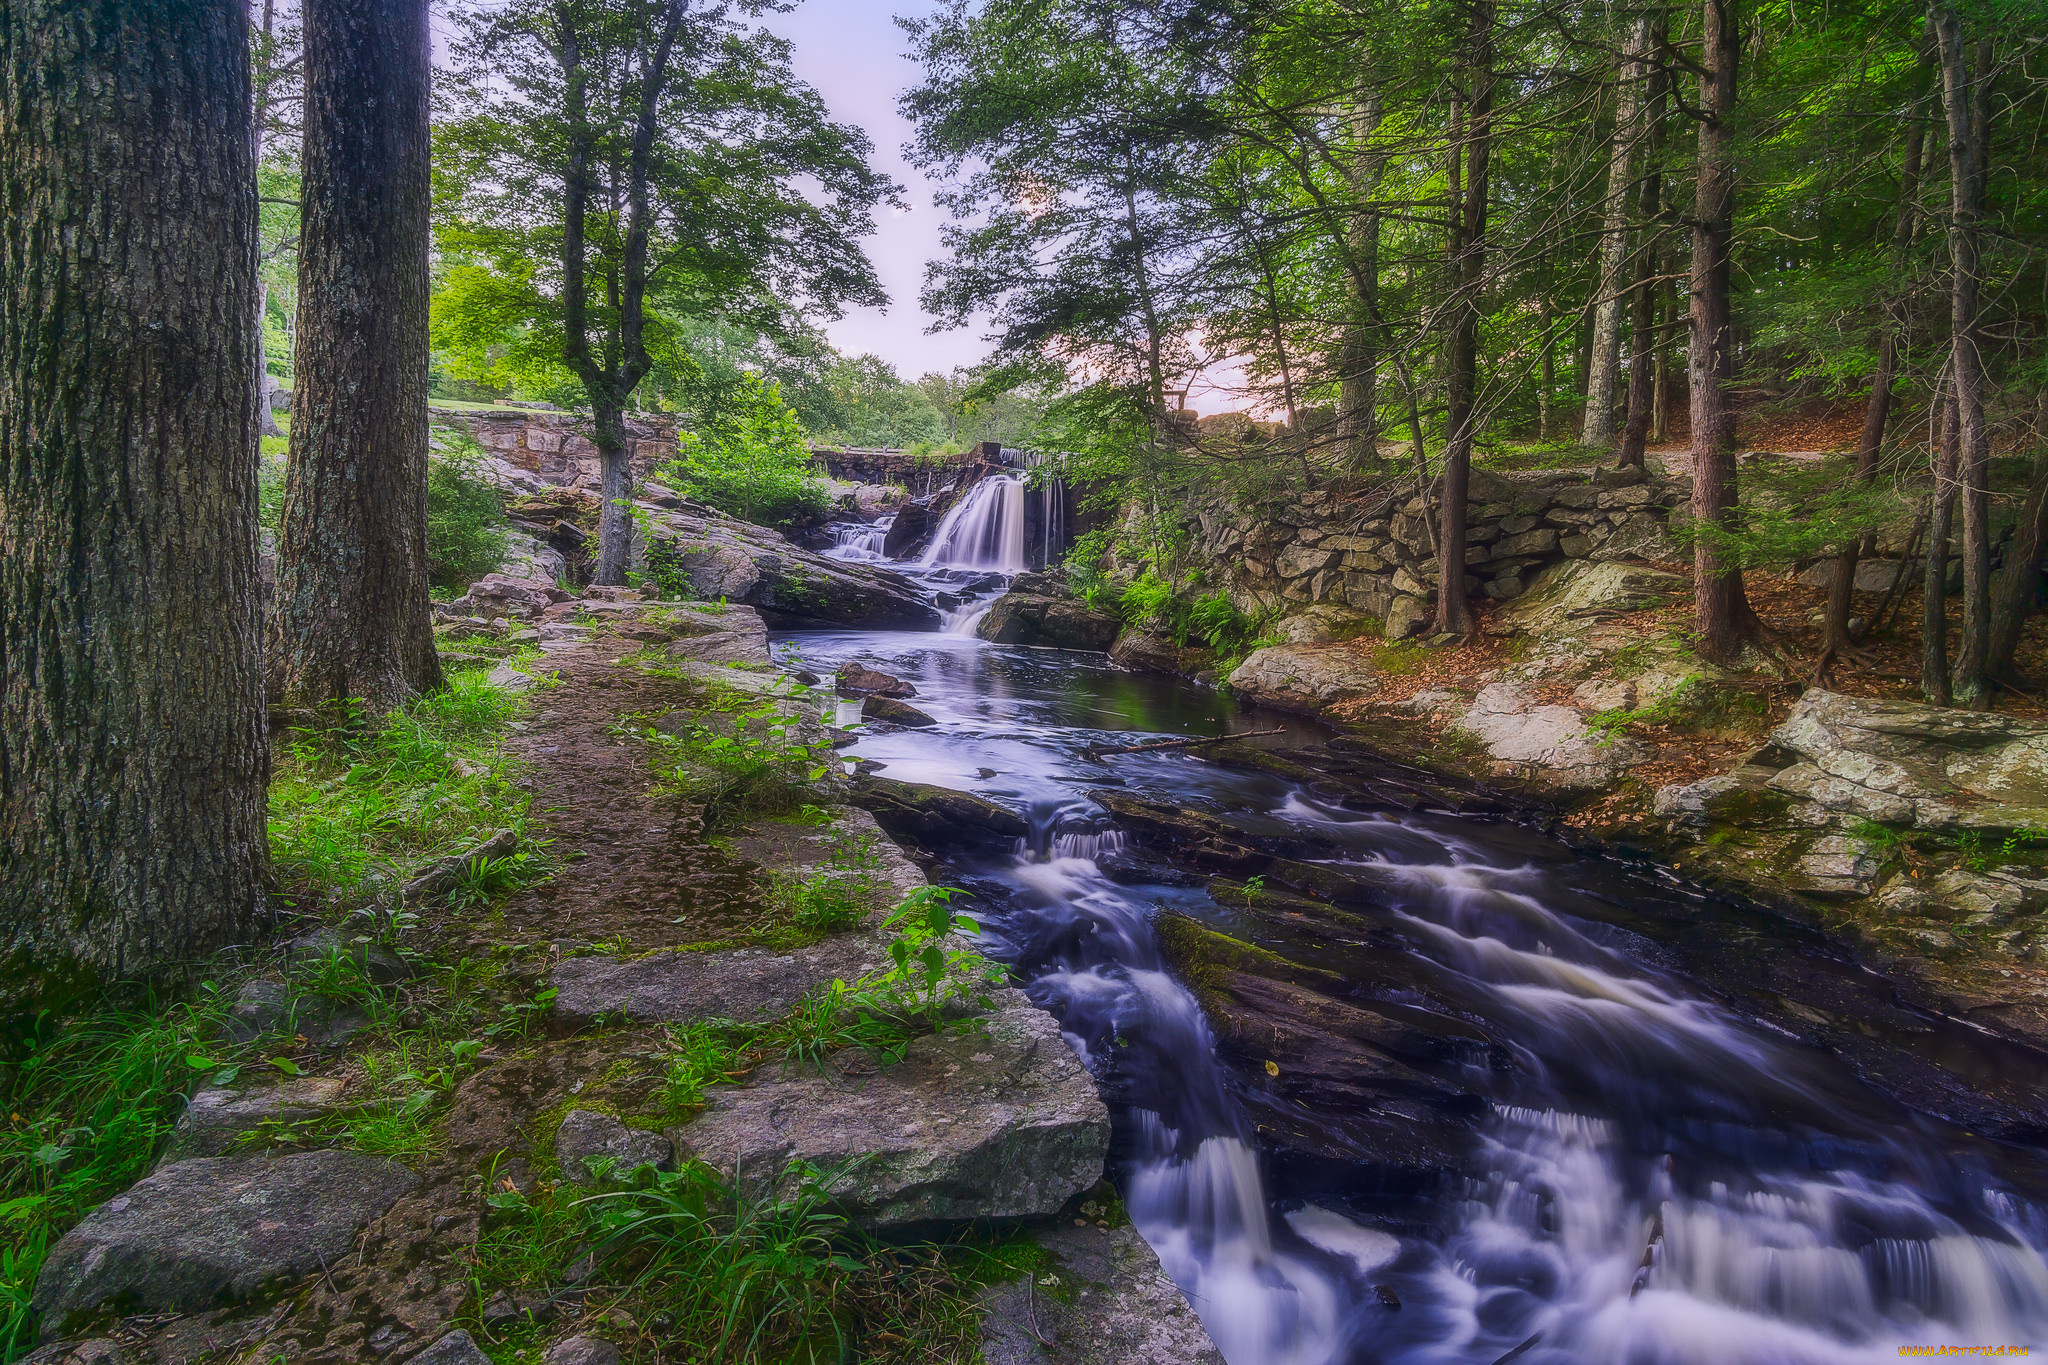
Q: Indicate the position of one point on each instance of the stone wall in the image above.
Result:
(556, 446)
(1373, 552)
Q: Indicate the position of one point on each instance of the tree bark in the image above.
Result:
(1548, 316)
(1964, 100)
(1667, 324)
(133, 755)
(1940, 528)
(1724, 621)
(2019, 587)
(1643, 304)
(1876, 412)
(352, 620)
(1358, 359)
(1453, 613)
(1597, 426)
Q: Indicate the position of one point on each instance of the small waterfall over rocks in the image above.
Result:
(984, 530)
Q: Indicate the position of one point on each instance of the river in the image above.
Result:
(1662, 1172)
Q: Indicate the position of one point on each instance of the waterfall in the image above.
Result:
(984, 530)
(858, 540)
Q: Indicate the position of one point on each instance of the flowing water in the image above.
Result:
(1659, 1178)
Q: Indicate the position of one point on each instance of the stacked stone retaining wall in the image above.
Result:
(556, 446)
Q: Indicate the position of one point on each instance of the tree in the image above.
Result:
(1468, 261)
(132, 747)
(352, 619)
(617, 166)
(1597, 427)
(1723, 618)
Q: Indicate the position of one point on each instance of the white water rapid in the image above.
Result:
(1654, 1168)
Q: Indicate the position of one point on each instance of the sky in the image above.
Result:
(852, 52)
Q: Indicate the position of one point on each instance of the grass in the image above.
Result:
(357, 806)
(746, 756)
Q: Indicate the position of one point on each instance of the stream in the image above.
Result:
(1661, 1173)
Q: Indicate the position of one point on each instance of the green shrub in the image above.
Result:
(465, 520)
(753, 462)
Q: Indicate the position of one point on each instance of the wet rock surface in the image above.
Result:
(588, 1142)
(197, 1233)
(922, 814)
(216, 1115)
(996, 1119)
(1103, 1300)
(1019, 618)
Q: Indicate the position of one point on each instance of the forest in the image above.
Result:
(344, 845)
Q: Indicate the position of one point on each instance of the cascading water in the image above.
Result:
(984, 530)
(1659, 1180)
(860, 541)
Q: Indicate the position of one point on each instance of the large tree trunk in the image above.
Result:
(1358, 359)
(352, 618)
(1967, 134)
(1940, 529)
(1667, 325)
(133, 755)
(1724, 621)
(1877, 411)
(1548, 373)
(1597, 427)
(615, 486)
(2019, 586)
(1453, 613)
(1642, 295)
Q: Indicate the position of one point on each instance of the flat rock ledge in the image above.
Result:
(678, 987)
(1000, 1121)
(216, 1229)
(1105, 1301)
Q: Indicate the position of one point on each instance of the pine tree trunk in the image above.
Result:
(1358, 394)
(1723, 619)
(1597, 427)
(1967, 132)
(1549, 365)
(1940, 529)
(2019, 587)
(1642, 296)
(133, 755)
(352, 618)
(1453, 613)
(1877, 411)
(1667, 322)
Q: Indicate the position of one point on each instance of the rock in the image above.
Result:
(747, 984)
(1305, 678)
(509, 679)
(926, 816)
(496, 596)
(1872, 575)
(1407, 616)
(1057, 622)
(894, 712)
(582, 1350)
(260, 1007)
(217, 1115)
(1144, 652)
(531, 559)
(1297, 561)
(1324, 624)
(1105, 1301)
(1553, 740)
(1563, 594)
(586, 1136)
(456, 1348)
(376, 962)
(197, 1233)
(995, 1120)
(97, 1351)
(723, 558)
(1899, 754)
(858, 679)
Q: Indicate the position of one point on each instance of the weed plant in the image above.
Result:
(748, 757)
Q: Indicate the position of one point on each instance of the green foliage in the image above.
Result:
(466, 530)
(872, 406)
(749, 757)
(352, 802)
(753, 463)
(1794, 510)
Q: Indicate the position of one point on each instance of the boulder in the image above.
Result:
(1058, 622)
(724, 559)
(199, 1233)
(856, 679)
(218, 1114)
(994, 1119)
(586, 1136)
(927, 816)
(1144, 652)
(1407, 616)
(1567, 593)
(533, 559)
(1550, 742)
(894, 712)
(1324, 624)
(674, 987)
(498, 595)
(1305, 678)
(376, 962)
(260, 1007)
(1105, 1300)
(581, 1350)
(456, 1348)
